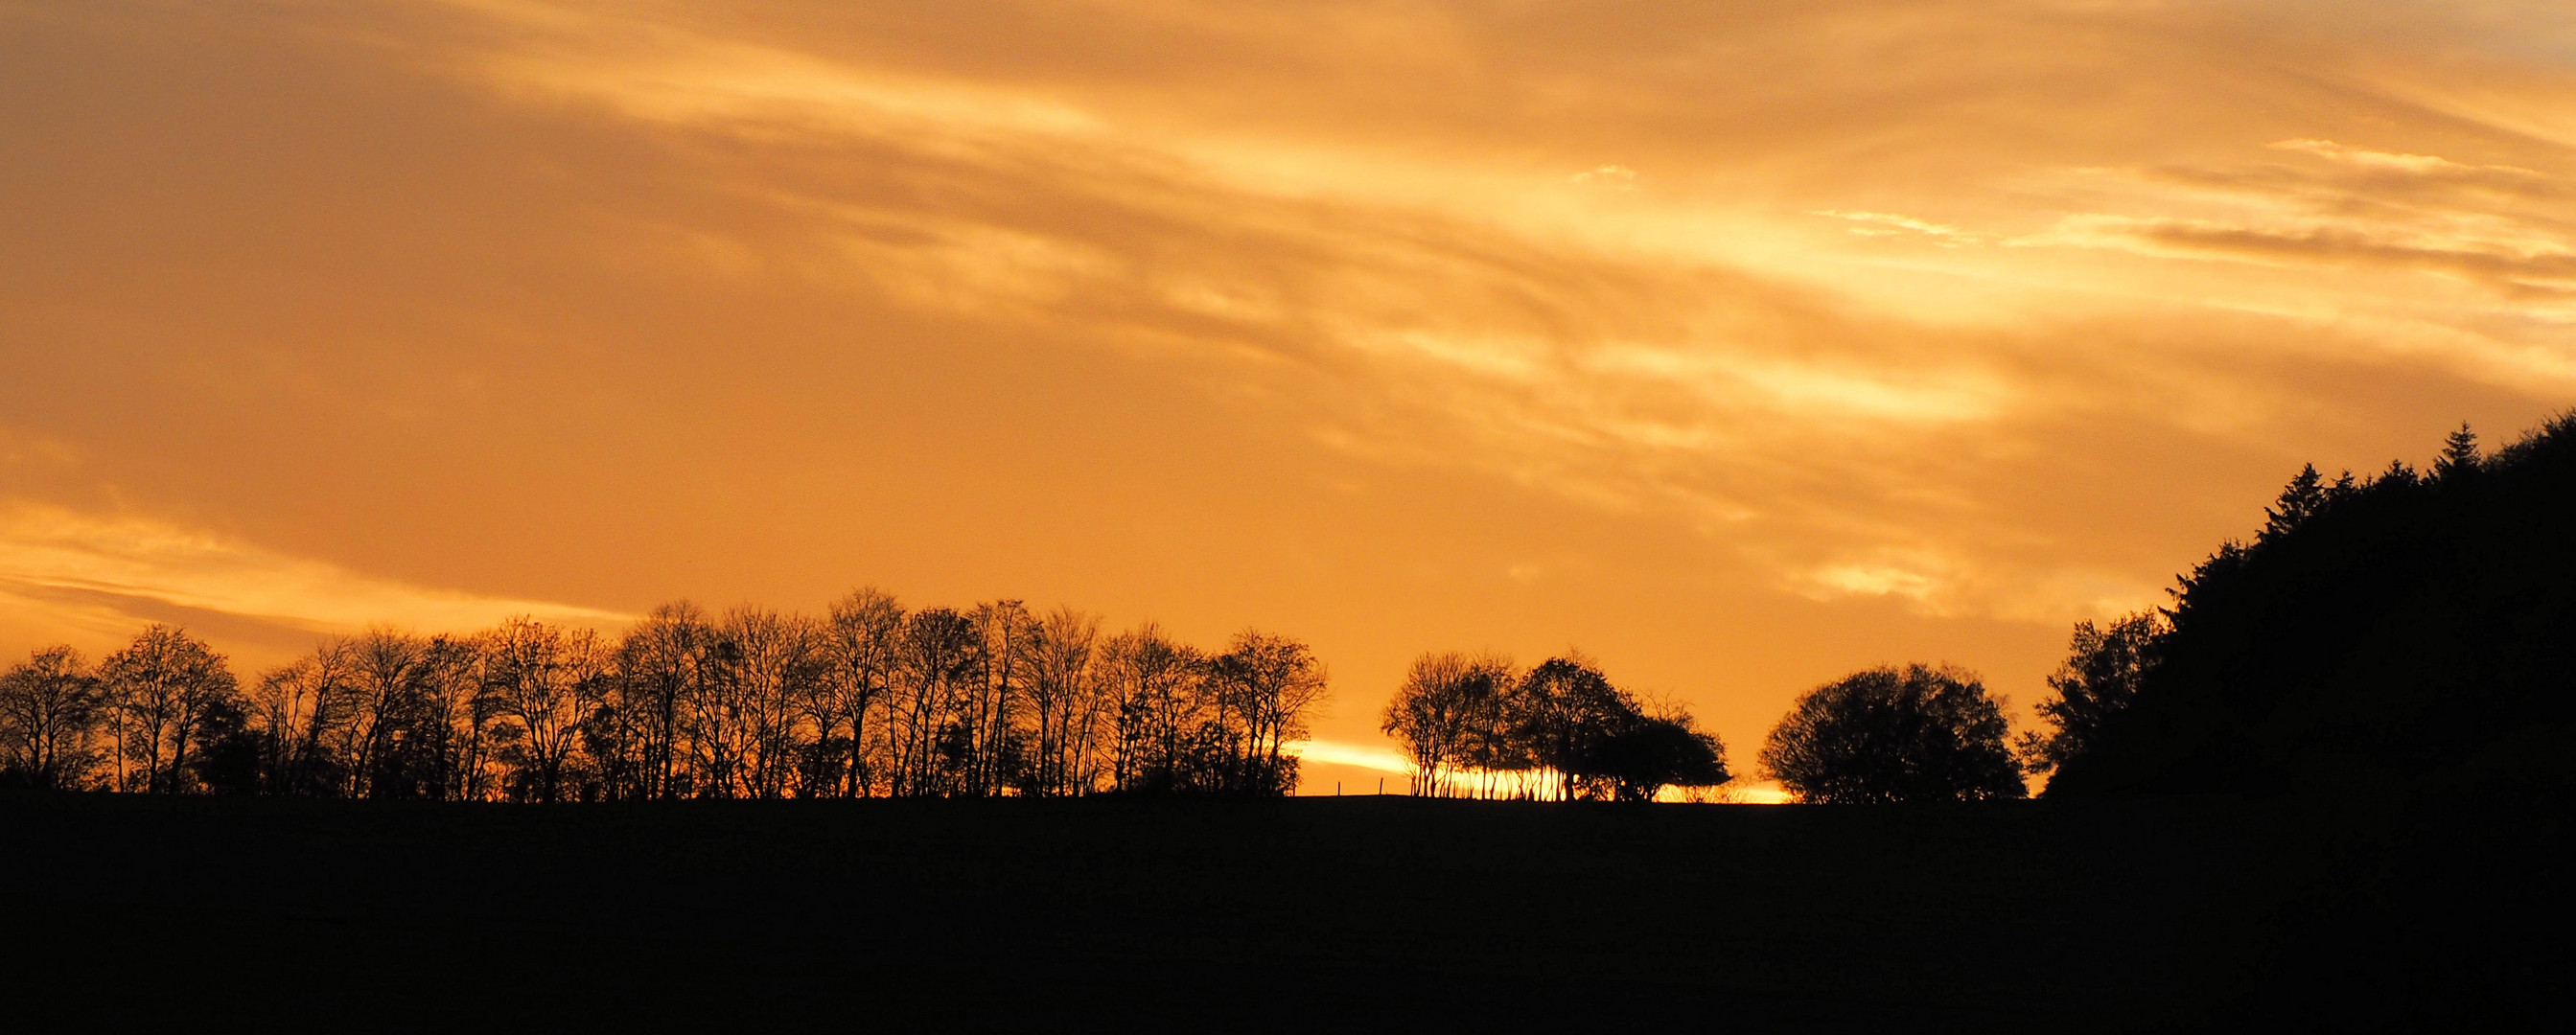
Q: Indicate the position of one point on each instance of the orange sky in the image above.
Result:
(1739, 344)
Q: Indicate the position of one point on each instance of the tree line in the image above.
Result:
(2401, 615)
(866, 700)
(1474, 726)
(2405, 630)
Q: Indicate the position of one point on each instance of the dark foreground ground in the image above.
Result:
(1309, 914)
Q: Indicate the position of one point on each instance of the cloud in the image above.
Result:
(2339, 244)
(96, 576)
(1954, 586)
(1884, 224)
(2419, 165)
(1608, 177)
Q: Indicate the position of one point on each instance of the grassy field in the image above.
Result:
(1318, 913)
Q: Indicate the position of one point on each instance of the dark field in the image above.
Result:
(1297, 914)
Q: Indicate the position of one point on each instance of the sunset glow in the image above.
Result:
(1739, 346)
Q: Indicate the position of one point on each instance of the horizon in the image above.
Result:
(1739, 349)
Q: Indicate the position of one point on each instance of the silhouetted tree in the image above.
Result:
(2104, 668)
(1153, 689)
(1064, 706)
(384, 692)
(50, 713)
(2412, 632)
(227, 760)
(662, 669)
(2305, 497)
(1648, 753)
(770, 665)
(1265, 686)
(296, 710)
(934, 702)
(448, 758)
(862, 650)
(1570, 717)
(1006, 634)
(756, 704)
(1884, 735)
(541, 683)
(1435, 712)
(1491, 746)
(163, 688)
(2459, 459)
(1471, 726)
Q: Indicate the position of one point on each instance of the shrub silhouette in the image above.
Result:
(1887, 735)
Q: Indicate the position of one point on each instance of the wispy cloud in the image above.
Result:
(107, 575)
(1633, 350)
(1886, 224)
(2392, 161)
(1608, 177)
(1933, 584)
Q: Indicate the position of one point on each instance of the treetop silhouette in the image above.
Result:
(867, 700)
(1474, 726)
(1889, 735)
(2398, 631)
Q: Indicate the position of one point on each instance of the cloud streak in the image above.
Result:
(1562, 339)
(106, 575)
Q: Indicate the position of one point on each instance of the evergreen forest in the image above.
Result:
(2403, 631)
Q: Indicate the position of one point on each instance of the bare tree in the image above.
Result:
(1152, 684)
(942, 656)
(1434, 712)
(1006, 635)
(1272, 683)
(662, 666)
(384, 682)
(452, 752)
(50, 713)
(163, 688)
(541, 683)
(770, 666)
(1063, 704)
(862, 647)
(295, 710)
(762, 704)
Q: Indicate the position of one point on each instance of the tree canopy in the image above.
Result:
(2394, 630)
(866, 700)
(1888, 735)
(1473, 725)
(2104, 667)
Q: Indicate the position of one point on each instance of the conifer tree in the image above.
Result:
(2302, 499)
(2459, 456)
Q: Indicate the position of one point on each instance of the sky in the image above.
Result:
(1738, 345)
